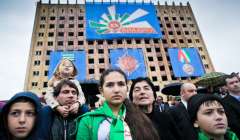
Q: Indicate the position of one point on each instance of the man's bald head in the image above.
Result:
(187, 91)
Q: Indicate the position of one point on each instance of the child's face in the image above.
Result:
(211, 118)
(21, 119)
(66, 67)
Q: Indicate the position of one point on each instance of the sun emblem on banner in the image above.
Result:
(116, 23)
(127, 63)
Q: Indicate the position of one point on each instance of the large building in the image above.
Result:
(61, 27)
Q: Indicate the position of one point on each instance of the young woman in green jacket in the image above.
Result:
(208, 117)
(117, 118)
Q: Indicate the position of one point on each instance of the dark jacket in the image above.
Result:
(164, 124)
(55, 127)
(232, 108)
(35, 133)
(181, 118)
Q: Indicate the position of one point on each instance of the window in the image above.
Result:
(152, 68)
(170, 32)
(181, 18)
(206, 66)
(90, 60)
(156, 41)
(101, 70)
(40, 34)
(173, 41)
(39, 43)
(90, 42)
(71, 26)
(176, 25)
(159, 58)
(50, 34)
(149, 50)
(52, 18)
(71, 18)
(42, 26)
(80, 25)
(36, 62)
(35, 73)
(34, 84)
(146, 41)
(164, 78)
(189, 18)
(60, 43)
(157, 49)
(70, 43)
(154, 78)
(43, 18)
(45, 73)
(91, 71)
(80, 33)
(162, 68)
(48, 52)
(168, 25)
(100, 42)
(60, 33)
(189, 40)
(38, 53)
(194, 32)
(119, 41)
(90, 51)
(101, 60)
(166, 18)
(61, 25)
(174, 18)
(138, 41)
(150, 58)
(184, 25)
(70, 33)
(51, 26)
(80, 18)
(80, 42)
(181, 41)
(100, 51)
(45, 84)
(62, 18)
(109, 42)
(47, 62)
(50, 43)
(178, 32)
(197, 41)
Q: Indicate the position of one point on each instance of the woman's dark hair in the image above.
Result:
(59, 86)
(140, 79)
(108, 71)
(140, 126)
(5, 115)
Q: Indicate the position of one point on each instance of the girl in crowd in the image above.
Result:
(20, 117)
(208, 117)
(64, 70)
(143, 94)
(117, 118)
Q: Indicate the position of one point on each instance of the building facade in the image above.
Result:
(61, 27)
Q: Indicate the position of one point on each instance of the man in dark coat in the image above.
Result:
(232, 102)
(56, 126)
(180, 113)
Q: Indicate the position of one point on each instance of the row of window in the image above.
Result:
(52, 26)
(43, 18)
(60, 34)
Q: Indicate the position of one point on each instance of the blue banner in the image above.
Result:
(78, 58)
(131, 61)
(186, 62)
(108, 21)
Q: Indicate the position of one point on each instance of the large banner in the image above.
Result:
(186, 62)
(78, 58)
(108, 21)
(131, 61)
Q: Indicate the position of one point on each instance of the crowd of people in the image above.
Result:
(123, 113)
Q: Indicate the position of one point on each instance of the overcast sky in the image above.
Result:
(218, 21)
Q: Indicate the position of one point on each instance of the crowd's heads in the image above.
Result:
(66, 66)
(113, 86)
(206, 112)
(19, 115)
(232, 83)
(187, 91)
(66, 92)
(142, 91)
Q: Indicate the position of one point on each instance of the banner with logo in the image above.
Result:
(186, 62)
(131, 61)
(78, 58)
(109, 21)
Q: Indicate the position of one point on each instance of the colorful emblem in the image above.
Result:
(127, 63)
(184, 58)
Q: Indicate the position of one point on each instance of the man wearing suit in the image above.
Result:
(161, 105)
(180, 113)
(232, 102)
